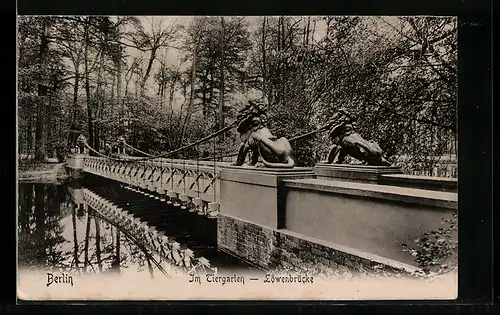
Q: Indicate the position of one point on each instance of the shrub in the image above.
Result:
(61, 150)
(436, 251)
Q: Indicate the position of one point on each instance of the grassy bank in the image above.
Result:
(35, 171)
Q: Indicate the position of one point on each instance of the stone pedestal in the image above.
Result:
(353, 173)
(75, 164)
(256, 194)
(77, 161)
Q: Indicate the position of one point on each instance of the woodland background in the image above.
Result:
(164, 82)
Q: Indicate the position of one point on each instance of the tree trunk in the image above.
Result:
(308, 30)
(75, 240)
(148, 70)
(119, 89)
(87, 88)
(40, 151)
(171, 96)
(87, 239)
(100, 102)
(40, 216)
(48, 126)
(112, 96)
(204, 94)
(116, 264)
(29, 132)
(25, 213)
(313, 29)
(211, 96)
(191, 98)
(98, 243)
(137, 87)
(72, 134)
(280, 64)
(127, 83)
(221, 82)
(264, 72)
(283, 75)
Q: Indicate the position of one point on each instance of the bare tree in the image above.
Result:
(153, 41)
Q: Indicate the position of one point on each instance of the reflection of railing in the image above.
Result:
(168, 250)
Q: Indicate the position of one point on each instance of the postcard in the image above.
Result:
(237, 158)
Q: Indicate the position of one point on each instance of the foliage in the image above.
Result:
(436, 252)
(60, 149)
(392, 82)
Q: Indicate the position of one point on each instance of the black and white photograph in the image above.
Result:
(237, 157)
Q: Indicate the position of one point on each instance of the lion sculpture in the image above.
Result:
(347, 141)
(258, 140)
(80, 143)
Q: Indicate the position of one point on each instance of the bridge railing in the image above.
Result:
(186, 178)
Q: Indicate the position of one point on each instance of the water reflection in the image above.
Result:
(59, 232)
(40, 232)
(56, 234)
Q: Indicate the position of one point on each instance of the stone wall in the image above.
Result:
(269, 249)
(375, 219)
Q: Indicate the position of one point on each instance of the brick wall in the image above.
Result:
(270, 249)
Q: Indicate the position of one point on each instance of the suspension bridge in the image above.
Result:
(353, 217)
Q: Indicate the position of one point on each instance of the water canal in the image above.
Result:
(56, 234)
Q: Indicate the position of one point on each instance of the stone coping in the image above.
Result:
(420, 182)
(425, 179)
(424, 197)
(419, 177)
(268, 170)
(262, 176)
(357, 173)
(359, 168)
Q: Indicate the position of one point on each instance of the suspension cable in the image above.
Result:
(213, 135)
(220, 156)
(321, 129)
(137, 150)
